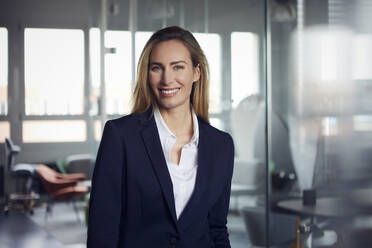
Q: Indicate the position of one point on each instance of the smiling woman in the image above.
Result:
(163, 173)
(172, 75)
(181, 47)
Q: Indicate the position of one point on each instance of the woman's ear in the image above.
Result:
(196, 73)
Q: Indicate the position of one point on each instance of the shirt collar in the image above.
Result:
(164, 131)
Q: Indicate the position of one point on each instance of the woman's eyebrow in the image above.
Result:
(178, 61)
(156, 63)
(171, 63)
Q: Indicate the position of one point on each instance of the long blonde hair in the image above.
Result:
(143, 97)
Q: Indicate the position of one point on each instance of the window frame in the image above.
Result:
(21, 103)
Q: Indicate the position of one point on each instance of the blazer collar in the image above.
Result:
(196, 202)
(153, 146)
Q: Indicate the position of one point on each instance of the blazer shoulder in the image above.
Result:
(120, 126)
(134, 119)
(127, 121)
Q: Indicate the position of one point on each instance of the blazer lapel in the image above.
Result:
(201, 182)
(152, 142)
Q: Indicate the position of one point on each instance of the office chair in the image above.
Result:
(248, 168)
(81, 163)
(23, 174)
(61, 187)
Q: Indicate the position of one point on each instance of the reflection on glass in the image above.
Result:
(3, 71)
(362, 123)
(362, 51)
(54, 71)
(325, 101)
(54, 131)
(244, 66)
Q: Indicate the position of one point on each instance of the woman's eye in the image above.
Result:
(178, 67)
(155, 68)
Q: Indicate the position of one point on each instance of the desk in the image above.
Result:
(347, 204)
(330, 207)
(325, 207)
(19, 231)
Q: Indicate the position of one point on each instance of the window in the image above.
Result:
(4, 131)
(97, 127)
(218, 123)
(54, 84)
(244, 66)
(140, 38)
(54, 131)
(95, 70)
(54, 71)
(3, 71)
(211, 45)
(118, 71)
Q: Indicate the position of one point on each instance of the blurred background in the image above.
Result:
(291, 81)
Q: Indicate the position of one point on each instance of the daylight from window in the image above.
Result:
(3, 71)
(54, 71)
(244, 66)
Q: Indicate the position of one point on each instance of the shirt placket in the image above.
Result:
(169, 143)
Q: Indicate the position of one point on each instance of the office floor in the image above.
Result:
(18, 231)
(64, 225)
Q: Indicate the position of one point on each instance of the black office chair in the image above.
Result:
(23, 174)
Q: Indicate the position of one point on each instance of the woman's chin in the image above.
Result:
(170, 105)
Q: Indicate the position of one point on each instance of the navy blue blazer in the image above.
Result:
(132, 203)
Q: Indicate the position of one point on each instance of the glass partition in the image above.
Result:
(320, 120)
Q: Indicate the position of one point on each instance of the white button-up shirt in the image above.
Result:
(183, 175)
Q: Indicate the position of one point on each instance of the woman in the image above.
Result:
(163, 174)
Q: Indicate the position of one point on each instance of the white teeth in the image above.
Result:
(169, 91)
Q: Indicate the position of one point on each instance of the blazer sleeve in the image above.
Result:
(106, 195)
(218, 214)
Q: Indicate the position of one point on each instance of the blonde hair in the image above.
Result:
(143, 97)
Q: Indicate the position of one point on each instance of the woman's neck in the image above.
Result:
(178, 120)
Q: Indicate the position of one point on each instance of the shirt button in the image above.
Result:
(173, 240)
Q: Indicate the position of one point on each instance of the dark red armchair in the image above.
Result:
(61, 187)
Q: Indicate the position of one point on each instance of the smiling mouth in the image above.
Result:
(169, 92)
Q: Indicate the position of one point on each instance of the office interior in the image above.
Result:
(291, 81)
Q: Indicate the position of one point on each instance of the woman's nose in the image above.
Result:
(167, 76)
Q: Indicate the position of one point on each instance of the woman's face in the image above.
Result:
(171, 74)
